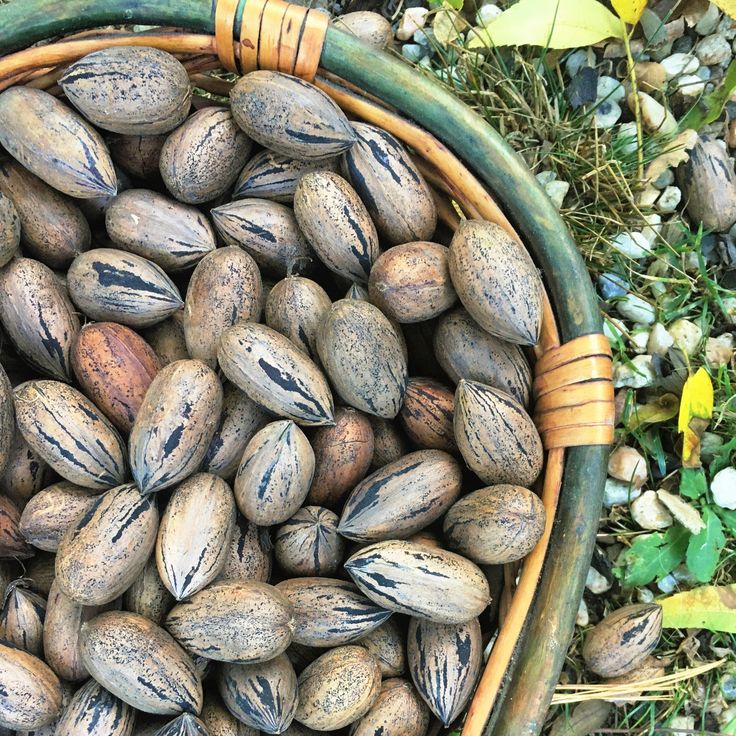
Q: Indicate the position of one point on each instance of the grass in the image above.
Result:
(522, 94)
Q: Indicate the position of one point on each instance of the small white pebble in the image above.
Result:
(686, 334)
(649, 513)
(719, 350)
(617, 492)
(691, 86)
(607, 114)
(557, 191)
(583, 618)
(654, 227)
(636, 309)
(545, 177)
(678, 64)
(682, 511)
(660, 341)
(667, 584)
(723, 488)
(412, 20)
(708, 21)
(610, 89)
(613, 330)
(686, 723)
(487, 14)
(669, 199)
(639, 374)
(596, 583)
(639, 340)
(578, 59)
(634, 245)
(655, 117)
(713, 49)
(626, 138)
(628, 464)
(729, 307)
(644, 595)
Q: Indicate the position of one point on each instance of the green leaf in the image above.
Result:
(709, 108)
(653, 556)
(708, 607)
(722, 458)
(455, 4)
(728, 517)
(693, 483)
(564, 24)
(704, 548)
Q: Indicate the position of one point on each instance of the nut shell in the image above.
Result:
(397, 711)
(138, 155)
(22, 618)
(12, 543)
(308, 543)
(93, 709)
(148, 595)
(7, 420)
(9, 228)
(496, 437)
(25, 471)
(427, 414)
(411, 282)
(387, 644)
(134, 90)
(249, 553)
(202, 158)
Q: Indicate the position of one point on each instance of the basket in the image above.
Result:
(467, 163)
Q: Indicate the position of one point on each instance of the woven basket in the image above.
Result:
(466, 161)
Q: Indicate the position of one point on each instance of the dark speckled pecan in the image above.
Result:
(95, 710)
(133, 90)
(9, 229)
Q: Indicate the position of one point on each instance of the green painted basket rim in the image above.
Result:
(537, 663)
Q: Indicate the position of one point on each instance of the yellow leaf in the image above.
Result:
(710, 607)
(629, 10)
(554, 24)
(727, 6)
(660, 410)
(696, 409)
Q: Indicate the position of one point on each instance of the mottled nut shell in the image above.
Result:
(338, 688)
(12, 542)
(202, 158)
(336, 224)
(387, 645)
(496, 437)
(94, 710)
(195, 532)
(276, 374)
(132, 90)
(21, 618)
(106, 549)
(411, 282)
(183, 725)
(330, 612)
(495, 525)
(302, 121)
(219, 721)
(241, 621)
(25, 472)
(427, 413)
(111, 285)
(148, 595)
(31, 694)
(239, 420)
(51, 511)
(386, 179)
(140, 663)
(402, 498)
(363, 357)
(40, 131)
(464, 350)
(41, 572)
(175, 424)
(53, 229)
(171, 234)
(623, 639)
(424, 582)
(444, 662)
(114, 367)
(67, 431)
(268, 231)
(270, 175)
(37, 316)
(138, 155)
(249, 553)
(343, 454)
(369, 26)
(167, 339)
(308, 543)
(7, 421)
(64, 619)
(225, 288)
(9, 227)
(397, 710)
(261, 695)
(389, 444)
(274, 474)
(295, 307)
(497, 281)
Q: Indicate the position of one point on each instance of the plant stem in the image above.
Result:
(637, 109)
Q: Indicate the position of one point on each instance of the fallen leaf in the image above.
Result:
(678, 152)
(652, 556)
(660, 410)
(696, 409)
(704, 548)
(710, 607)
(564, 24)
(683, 512)
(693, 483)
(727, 6)
(629, 10)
